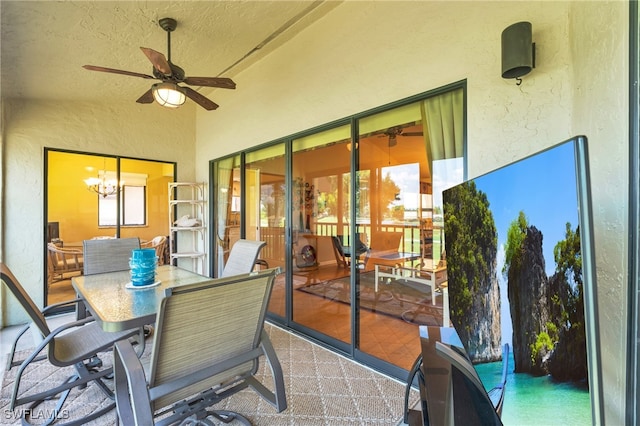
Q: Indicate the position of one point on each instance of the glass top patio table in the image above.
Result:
(116, 306)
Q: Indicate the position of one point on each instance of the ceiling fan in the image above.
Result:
(169, 93)
(393, 132)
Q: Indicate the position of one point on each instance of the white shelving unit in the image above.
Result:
(186, 202)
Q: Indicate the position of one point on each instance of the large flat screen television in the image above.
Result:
(521, 270)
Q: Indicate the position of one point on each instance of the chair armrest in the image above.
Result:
(132, 393)
(10, 359)
(67, 326)
(59, 304)
(69, 257)
(45, 341)
(415, 370)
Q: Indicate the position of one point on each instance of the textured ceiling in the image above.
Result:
(45, 43)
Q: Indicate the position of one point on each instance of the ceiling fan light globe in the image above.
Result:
(168, 95)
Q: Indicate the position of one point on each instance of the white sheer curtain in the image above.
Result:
(224, 192)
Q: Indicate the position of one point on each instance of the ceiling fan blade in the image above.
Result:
(412, 134)
(221, 82)
(114, 71)
(158, 60)
(199, 99)
(147, 98)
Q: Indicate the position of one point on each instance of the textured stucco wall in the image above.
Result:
(600, 111)
(394, 50)
(128, 129)
(366, 54)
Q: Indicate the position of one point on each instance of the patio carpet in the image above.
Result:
(322, 387)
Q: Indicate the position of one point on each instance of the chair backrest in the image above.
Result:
(471, 403)
(52, 258)
(108, 255)
(25, 300)
(242, 257)
(158, 243)
(62, 258)
(337, 244)
(385, 241)
(160, 239)
(360, 246)
(453, 390)
(208, 333)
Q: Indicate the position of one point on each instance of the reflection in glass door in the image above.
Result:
(266, 205)
(405, 270)
(321, 217)
(393, 164)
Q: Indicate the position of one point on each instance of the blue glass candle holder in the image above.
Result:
(143, 264)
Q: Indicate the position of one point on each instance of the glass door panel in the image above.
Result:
(226, 208)
(394, 178)
(404, 165)
(83, 202)
(73, 215)
(265, 208)
(321, 216)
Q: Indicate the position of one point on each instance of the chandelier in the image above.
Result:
(102, 186)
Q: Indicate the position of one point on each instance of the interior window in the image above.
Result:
(132, 211)
(132, 201)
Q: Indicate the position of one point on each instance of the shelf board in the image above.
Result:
(192, 254)
(187, 228)
(195, 202)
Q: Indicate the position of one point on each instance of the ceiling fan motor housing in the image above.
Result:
(168, 24)
(177, 74)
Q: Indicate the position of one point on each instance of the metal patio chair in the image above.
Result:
(208, 341)
(73, 344)
(61, 262)
(108, 255)
(451, 391)
(243, 257)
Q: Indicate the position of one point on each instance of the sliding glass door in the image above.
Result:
(321, 215)
(92, 196)
(399, 284)
(266, 208)
(352, 214)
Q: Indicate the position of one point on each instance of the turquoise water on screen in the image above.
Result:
(538, 401)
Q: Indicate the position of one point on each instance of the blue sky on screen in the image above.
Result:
(543, 186)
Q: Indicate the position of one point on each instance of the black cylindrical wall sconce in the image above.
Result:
(518, 51)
